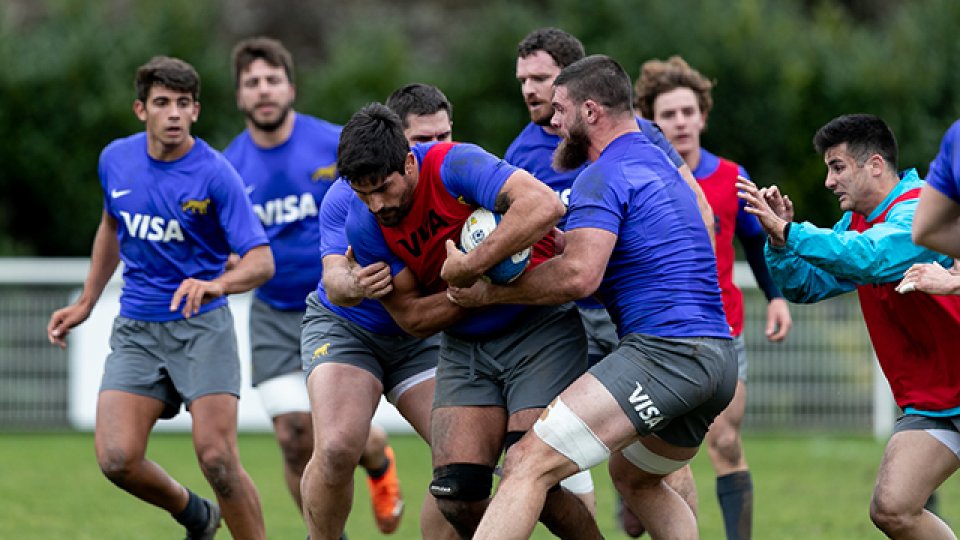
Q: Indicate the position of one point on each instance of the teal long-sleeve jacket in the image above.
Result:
(818, 263)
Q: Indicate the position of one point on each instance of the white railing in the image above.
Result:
(823, 378)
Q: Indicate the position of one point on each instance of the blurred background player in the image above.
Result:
(678, 98)
(173, 211)
(913, 334)
(540, 56)
(355, 354)
(288, 162)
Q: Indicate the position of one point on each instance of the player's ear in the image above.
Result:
(590, 111)
(409, 164)
(140, 109)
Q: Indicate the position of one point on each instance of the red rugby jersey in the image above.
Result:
(915, 335)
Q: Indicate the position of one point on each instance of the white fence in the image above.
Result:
(823, 378)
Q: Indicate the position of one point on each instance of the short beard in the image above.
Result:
(270, 127)
(543, 121)
(573, 150)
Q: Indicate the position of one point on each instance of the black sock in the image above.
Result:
(195, 515)
(735, 494)
(377, 473)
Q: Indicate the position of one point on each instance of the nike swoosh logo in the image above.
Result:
(117, 193)
(249, 189)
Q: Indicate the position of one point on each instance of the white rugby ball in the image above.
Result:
(478, 226)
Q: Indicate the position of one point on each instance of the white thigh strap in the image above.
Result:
(644, 459)
(284, 394)
(566, 433)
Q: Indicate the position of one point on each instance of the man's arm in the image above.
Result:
(936, 224)
(420, 316)
(530, 210)
(798, 280)
(347, 283)
(104, 258)
(574, 274)
(706, 211)
(253, 269)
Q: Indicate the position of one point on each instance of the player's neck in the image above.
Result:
(276, 137)
(163, 152)
(548, 129)
(603, 135)
(692, 158)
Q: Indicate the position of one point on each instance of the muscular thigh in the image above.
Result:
(467, 435)
(920, 455)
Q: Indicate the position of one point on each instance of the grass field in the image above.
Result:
(811, 487)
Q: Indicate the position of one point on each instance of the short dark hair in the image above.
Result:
(372, 145)
(564, 48)
(864, 134)
(418, 99)
(599, 78)
(658, 77)
(267, 49)
(168, 72)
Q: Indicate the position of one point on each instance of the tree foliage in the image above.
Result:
(782, 70)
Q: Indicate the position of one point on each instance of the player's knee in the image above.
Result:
(460, 490)
(726, 446)
(295, 438)
(115, 464)
(336, 461)
(890, 515)
(468, 482)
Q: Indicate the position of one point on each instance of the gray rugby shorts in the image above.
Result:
(673, 387)
(399, 362)
(274, 341)
(175, 361)
(524, 368)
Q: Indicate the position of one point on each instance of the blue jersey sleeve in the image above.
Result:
(595, 203)
(363, 233)
(945, 169)
(240, 224)
(653, 132)
(333, 219)
(471, 172)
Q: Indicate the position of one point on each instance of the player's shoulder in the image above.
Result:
(317, 126)
(123, 147)
(238, 145)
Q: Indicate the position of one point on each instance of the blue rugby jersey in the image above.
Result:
(176, 220)
(368, 314)
(662, 275)
(533, 150)
(944, 175)
(286, 185)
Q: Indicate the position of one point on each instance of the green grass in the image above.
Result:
(807, 487)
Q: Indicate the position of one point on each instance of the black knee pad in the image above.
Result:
(462, 482)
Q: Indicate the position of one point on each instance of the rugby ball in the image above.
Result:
(478, 226)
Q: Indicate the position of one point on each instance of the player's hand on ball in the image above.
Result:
(455, 270)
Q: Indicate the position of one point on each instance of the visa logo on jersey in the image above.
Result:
(286, 209)
(152, 228)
